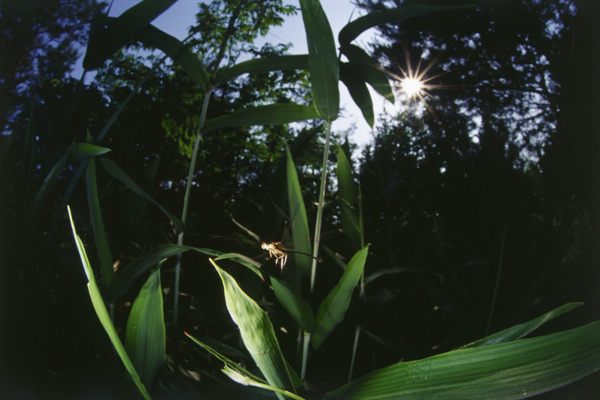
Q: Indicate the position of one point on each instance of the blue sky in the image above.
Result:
(181, 15)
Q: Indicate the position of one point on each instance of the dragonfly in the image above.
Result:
(276, 250)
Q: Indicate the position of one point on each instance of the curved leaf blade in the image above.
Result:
(113, 169)
(358, 91)
(368, 68)
(104, 42)
(295, 305)
(273, 114)
(333, 309)
(102, 312)
(323, 61)
(257, 333)
(145, 337)
(83, 151)
(264, 64)
(513, 370)
(352, 30)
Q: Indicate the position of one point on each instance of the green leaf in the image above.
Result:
(348, 201)
(352, 30)
(124, 278)
(104, 42)
(239, 374)
(368, 68)
(298, 230)
(264, 64)
(145, 337)
(274, 114)
(521, 330)
(257, 333)
(102, 312)
(178, 52)
(333, 309)
(113, 169)
(104, 254)
(246, 261)
(83, 151)
(513, 370)
(358, 91)
(323, 61)
(295, 305)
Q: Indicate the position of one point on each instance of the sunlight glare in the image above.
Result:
(411, 86)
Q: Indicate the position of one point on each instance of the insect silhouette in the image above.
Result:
(276, 250)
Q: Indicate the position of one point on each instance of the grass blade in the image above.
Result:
(113, 169)
(102, 312)
(513, 370)
(524, 329)
(322, 61)
(295, 305)
(348, 201)
(368, 68)
(264, 64)
(104, 253)
(273, 114)
(299, 228)
(257, 333)
(333, 308)
(358, 91)
(145, 337)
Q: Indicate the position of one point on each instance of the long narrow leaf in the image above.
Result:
(524, 329)
(125, 278)
(294, 304)
(274, 114)
(348, 201)
(104, 254)
(299, 228)
(102, 312)
(178, 52)
(513, 370)
(358, 91)
(146, 333)
(333, 309)
(104, 42)
(264, 64)
(83, 151)
(323, 61)
(113, 169)
(257, 333)
(367, 67)
(352, 30)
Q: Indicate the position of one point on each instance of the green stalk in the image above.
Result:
(487, 328)
(186, 202)
(317, 236)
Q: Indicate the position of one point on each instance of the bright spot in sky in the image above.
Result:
(412, 87)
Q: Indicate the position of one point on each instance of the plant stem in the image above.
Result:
(317, 236)
(186, 202)
(487, 328)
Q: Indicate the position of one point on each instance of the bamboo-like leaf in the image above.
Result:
(178, 52)
(104, 42)
(274, 114)
(333, 309)
(358, 91)
(257, 333)
(295, 305)
(352, 30)
(514, 370)
(142, 264)
(524, 329)
(239, 374)
(264, 64)
(246, 261)
(102, 312)
(104, 253)
(113, 169)
(368, 68)
(299, 228)
(323, 61)
(348, 201)
(145, 337)
(82, 151)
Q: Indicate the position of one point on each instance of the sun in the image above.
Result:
(412, 87)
